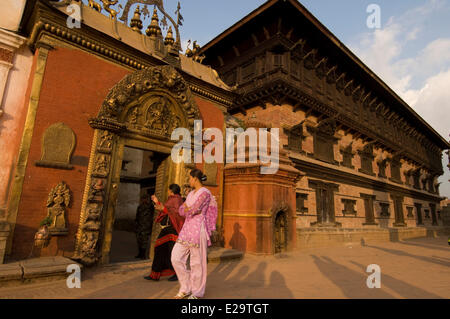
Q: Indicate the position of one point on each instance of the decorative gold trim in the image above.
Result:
(86, 190)
(112, 192)
(46, 27)
(25, 145)
(117, 125)
(196, 89)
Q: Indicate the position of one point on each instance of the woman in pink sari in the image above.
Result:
(200, 211)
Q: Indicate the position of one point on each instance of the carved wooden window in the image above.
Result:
(427, 213)
(416, 177)
(407, 175)
(347, 159)
(366, 155)
(300, 200)
(385, 210)
(323, 148)
(395, 170)
(382, 168)
(277, 60)
(410, 212)
(347, 156)
(349, 207)
(324, 141)
(295, 138)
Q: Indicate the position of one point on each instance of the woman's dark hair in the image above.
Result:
(198, 174)
(175, 189)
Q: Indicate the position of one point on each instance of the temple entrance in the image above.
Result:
(130, 156)
(141, 175)
(280, 232)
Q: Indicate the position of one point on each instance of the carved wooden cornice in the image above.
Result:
(280, 86)
(319, 171)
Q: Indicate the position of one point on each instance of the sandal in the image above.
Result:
(181, 295)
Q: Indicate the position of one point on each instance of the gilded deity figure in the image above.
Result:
(155, 114)
(105, 140)
(102, 165)
(58, 200)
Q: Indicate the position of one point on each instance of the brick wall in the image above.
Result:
(75, 84)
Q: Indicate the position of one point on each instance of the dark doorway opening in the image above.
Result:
(280, 232)
(141, 175)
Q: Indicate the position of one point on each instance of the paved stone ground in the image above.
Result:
(416, 268)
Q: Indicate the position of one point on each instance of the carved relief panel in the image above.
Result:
(155, 115)
(58, 144)
(57, 202)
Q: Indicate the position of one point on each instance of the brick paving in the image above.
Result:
(415, 268)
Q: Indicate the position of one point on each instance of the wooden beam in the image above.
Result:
(266, 33)
(220, 60)
(349, 83)
(296, 107)
(236, 51)
(289, 34)
(341, 77)
(324, 60)
(255, 39)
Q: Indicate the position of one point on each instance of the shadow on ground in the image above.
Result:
(402, 288)
(350, 282)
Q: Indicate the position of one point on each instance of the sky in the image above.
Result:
(410, 51)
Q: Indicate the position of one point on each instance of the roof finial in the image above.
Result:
(136, 22)
(169, 41)
(153, 29)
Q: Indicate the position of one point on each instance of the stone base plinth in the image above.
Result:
(332, 237)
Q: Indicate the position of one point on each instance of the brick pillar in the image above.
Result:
(253, 202)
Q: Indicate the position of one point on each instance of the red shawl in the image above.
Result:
(171, 207)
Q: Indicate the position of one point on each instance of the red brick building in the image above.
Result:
(94, 133)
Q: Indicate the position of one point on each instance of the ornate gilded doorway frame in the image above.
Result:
(140, 111)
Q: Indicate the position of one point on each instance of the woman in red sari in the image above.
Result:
(171, 224)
